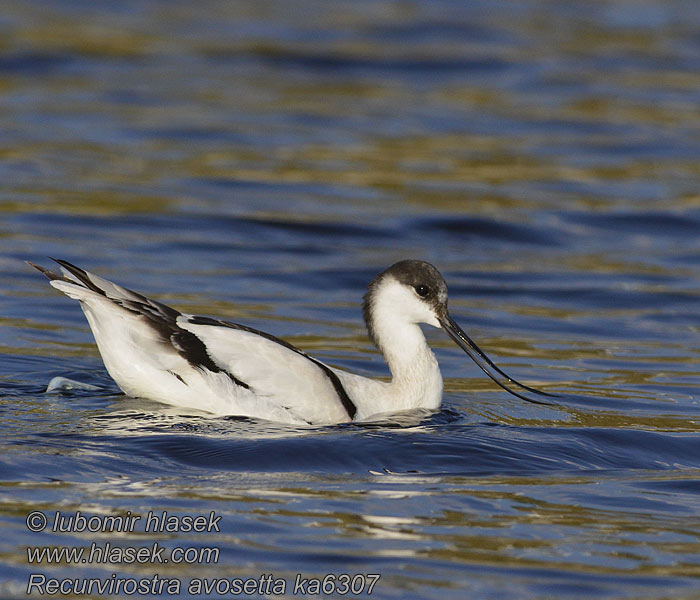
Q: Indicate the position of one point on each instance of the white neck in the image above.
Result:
(416, 380)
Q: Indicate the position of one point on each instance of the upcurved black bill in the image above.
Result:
(487, 365)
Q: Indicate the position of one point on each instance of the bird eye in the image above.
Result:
(422, 290)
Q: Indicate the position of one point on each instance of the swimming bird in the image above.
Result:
(156, 352)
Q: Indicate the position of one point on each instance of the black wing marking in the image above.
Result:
(345, 400)
(161, 318)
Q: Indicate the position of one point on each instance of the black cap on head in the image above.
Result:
(423, 277)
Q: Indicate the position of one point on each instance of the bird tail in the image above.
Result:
(80, 284)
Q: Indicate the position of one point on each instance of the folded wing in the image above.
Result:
(274, 369)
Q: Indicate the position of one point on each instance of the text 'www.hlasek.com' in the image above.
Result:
(121, 554)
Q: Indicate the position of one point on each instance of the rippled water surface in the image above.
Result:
(262, 162)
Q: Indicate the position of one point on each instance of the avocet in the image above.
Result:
(154, 351)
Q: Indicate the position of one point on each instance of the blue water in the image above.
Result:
(262, 164)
